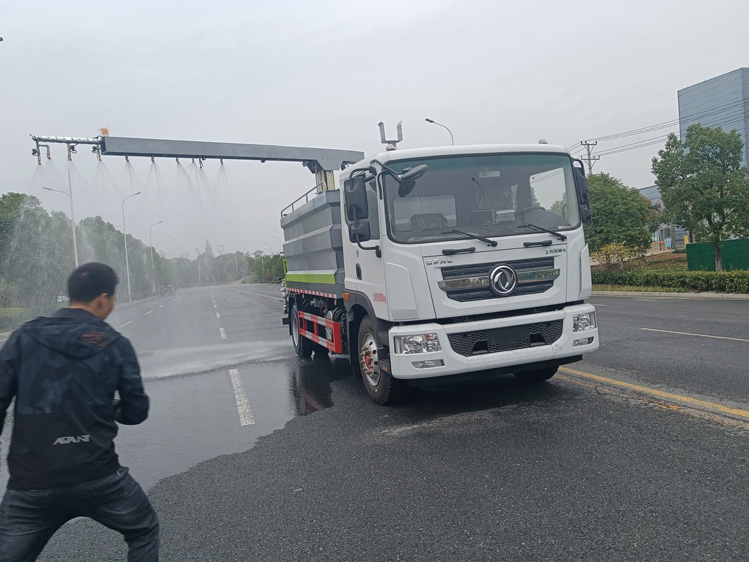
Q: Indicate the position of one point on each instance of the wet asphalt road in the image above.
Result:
(486, 471)
(646, 339)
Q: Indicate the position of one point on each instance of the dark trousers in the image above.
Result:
(29, 518)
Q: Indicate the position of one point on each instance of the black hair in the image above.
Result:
(91, 280)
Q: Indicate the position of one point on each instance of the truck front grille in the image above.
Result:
(480, 342)
(479, 274)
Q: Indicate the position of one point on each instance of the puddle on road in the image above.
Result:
(186, 361)
(310, 382)
(194, 417)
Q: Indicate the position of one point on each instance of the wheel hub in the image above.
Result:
(370, 365)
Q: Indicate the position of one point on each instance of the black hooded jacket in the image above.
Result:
(64, 372)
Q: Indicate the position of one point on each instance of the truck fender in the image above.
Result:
(358, 305)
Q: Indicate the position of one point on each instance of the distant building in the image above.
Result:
(722, 102)
(653, 194)
(676, 235)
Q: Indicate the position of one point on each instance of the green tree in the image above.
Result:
(703, 185)
(35, 249)
(620, 214)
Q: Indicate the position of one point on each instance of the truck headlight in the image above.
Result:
(583, 321)
(421, 343)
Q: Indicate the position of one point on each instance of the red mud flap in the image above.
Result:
(308, 328)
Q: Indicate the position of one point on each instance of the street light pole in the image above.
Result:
(280, 246)
(452, 140)
(124, 234)
(69, 193)
(198, 260)
(150, 243)
(72, 219)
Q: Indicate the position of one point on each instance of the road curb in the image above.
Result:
(712, 296)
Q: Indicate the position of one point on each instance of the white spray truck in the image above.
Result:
(443, 263)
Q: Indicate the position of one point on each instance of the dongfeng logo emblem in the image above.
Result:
(503, 280)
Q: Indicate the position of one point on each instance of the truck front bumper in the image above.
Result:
(468, 347)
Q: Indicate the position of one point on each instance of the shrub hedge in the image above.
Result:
(699, 281)
(12, 318)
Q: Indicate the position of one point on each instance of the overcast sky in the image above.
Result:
(323, 74)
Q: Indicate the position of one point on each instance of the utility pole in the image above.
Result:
(198, 260)
(591, 159)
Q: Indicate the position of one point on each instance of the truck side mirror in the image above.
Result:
(359, 231)
(356, 199)
(413, 173)
(407, 179)
(582, 187)
(583, 194)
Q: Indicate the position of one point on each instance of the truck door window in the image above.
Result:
(374, 210)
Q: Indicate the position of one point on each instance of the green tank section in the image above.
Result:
(313, 246)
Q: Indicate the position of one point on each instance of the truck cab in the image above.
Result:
(458, 260)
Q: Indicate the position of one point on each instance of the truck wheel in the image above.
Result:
(381, 386)
(539, 375)
(302, 346)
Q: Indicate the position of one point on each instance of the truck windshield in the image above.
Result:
(484, 195)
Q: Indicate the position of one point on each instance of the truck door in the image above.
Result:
(365, 271)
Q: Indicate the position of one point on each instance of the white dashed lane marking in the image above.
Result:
(126, 323)
(243, 405)
(695, 335)
(223, 333)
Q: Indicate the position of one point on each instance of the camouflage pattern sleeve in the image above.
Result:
(133, 406)
(8, 375)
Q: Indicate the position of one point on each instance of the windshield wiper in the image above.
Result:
(562, 237)
(492, 243)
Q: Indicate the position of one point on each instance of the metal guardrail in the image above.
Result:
(316, 189)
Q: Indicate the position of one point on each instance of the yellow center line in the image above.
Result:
(694, 402)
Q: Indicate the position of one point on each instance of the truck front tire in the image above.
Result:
(380, 385)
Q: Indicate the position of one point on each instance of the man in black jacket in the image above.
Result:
(64, 372)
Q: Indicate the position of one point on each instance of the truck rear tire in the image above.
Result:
(380, 385)
(302, 345)
(538, 375)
